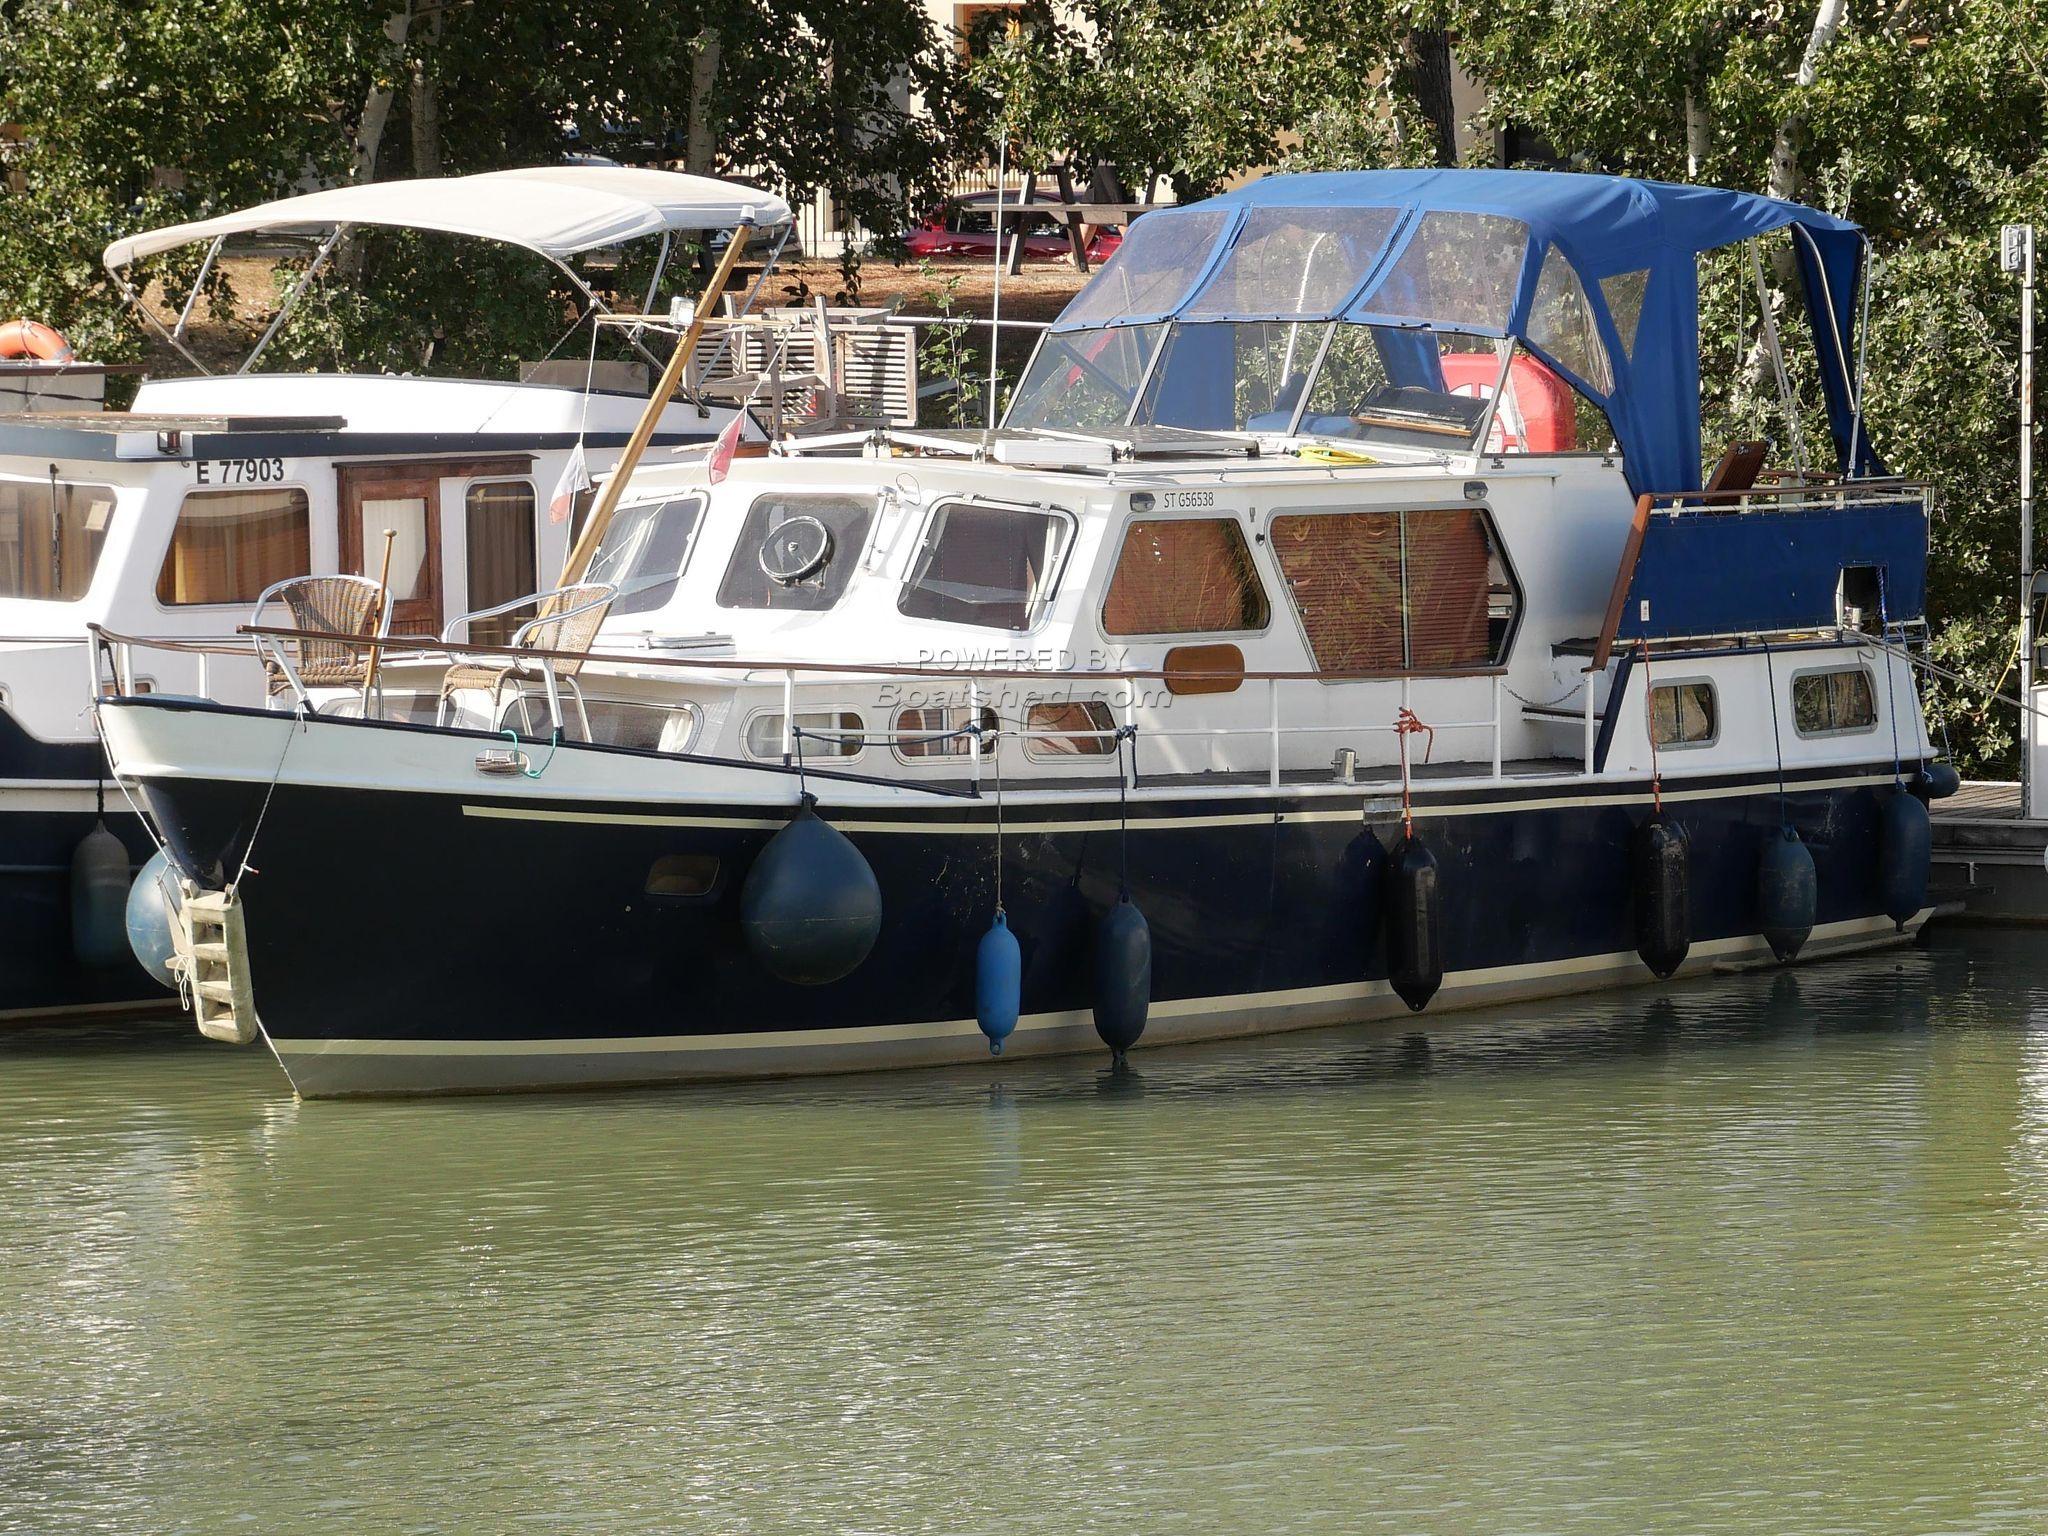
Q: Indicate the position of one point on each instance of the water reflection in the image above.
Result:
(1767, 1252)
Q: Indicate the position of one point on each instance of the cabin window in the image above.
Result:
(992, 566)
(940, 730)
(228, 546)
(796, 552)
(498, 525)
(827, 733)
(643, 551)
(1839, 699)
(1083, 381)
(643, 726)
(1398, 590)
(51, 534)
(1184, 576)
(1072, 728)
(1684, 714)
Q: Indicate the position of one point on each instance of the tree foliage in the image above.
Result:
(130, 113)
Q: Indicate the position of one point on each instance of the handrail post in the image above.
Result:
(974, 737)
(788, 713)
(1590, 676)
(1273, 727)
(1496, 725)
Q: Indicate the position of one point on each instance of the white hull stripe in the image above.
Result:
(1373, 807)
(1179, 1008)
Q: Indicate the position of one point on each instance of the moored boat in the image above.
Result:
(179, 516)
(1340, 625)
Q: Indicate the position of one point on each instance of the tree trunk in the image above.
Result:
(700, 142)
(1785, 174)
(426, 100)
(1699, 132)
(377, 105)
(1426, 66)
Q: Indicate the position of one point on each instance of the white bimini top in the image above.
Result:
(557, 210)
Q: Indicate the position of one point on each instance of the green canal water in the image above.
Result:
(1764, 1253)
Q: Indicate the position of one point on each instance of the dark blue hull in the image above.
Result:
(421, 942)
(46, 808)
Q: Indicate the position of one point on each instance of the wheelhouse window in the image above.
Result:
(644, 550)
(1069, 728)
(51, 535)
(1406, 388)
(1397, 590)
(796, 552)
(230, 545)
(1684, 714)
(498, 532)
(1082, 381)
(1184, 576)
(826, 733)
(990, 566)
(1837, 700)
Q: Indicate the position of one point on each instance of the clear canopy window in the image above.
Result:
(1419, 389)
(1084, 381)
(1457, 269)
(1624, 293)
(643, 552)
(1561, 323)
(992, 566)
(1161, 257)
(1222, 376)
(1295, 261)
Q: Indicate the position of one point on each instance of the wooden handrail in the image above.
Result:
(1624, 577)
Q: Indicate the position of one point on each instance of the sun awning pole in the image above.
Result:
(1785, 401)
(199, 282)
(134, 301)
(291, 300)
(657, 402)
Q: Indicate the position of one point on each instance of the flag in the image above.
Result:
(723, 449)
(574, 482)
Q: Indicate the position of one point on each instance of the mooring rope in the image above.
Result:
(1406, 724)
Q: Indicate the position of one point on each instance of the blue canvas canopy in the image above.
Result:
(1596, 275)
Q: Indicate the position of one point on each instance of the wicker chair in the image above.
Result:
(566, 619)
(336, 605)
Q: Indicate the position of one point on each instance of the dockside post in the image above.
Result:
(2016, 254)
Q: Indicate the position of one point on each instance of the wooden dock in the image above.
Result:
(1988, 856)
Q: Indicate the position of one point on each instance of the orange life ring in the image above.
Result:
(32, 338)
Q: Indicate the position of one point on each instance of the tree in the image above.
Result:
(1925, 121)
(141, 112)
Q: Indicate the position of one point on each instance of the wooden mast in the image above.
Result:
(657, 402)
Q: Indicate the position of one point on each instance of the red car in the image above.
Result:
(966, 226)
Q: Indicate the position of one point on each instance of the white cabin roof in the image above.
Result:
(556, 210)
